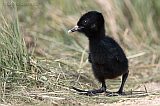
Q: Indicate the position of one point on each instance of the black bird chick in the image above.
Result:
(106, 56)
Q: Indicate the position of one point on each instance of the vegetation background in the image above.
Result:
(39, 61)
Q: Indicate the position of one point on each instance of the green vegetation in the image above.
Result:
(13, 54)
(39, 61)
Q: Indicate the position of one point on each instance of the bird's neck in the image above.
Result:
(96, 36)
(95, 39)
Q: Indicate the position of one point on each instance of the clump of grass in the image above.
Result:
(14, 58)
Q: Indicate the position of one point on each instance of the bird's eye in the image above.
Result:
(85, 22)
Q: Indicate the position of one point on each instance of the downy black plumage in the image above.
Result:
(107, 58)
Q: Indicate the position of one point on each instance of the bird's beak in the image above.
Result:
(75, 28)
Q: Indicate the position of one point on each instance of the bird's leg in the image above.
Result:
(92, 92)
(89, 58)
(124, 78)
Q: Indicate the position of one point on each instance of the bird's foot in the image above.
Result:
(121, 93)
(90, 92)
(95, 92)
(118, 93)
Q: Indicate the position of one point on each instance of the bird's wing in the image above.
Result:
(112, 51)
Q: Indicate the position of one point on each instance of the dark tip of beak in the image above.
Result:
(73, 29)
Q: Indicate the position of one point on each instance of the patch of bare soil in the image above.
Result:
(153, 98)
(147, 101)
(145, 95)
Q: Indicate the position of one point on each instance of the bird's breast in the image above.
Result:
(98, 58)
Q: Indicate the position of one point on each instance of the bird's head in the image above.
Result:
(90, 23)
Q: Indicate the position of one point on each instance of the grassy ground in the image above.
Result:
(39, 61)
